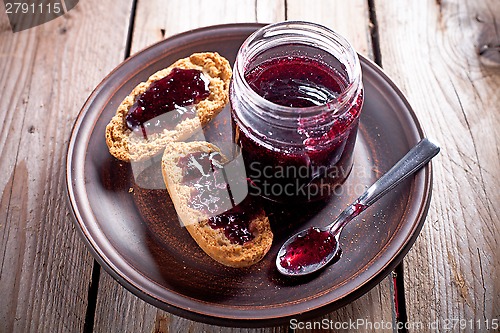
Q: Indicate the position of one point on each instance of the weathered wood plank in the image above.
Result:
(350, 20)
(431, 49)
(158, 19)
(44, 267)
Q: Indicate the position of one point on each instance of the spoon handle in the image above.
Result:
(415, 159)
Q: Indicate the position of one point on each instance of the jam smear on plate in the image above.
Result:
(168, 101)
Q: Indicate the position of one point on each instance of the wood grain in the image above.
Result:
(431, 49)
(351, 21)
(156, 19)
(47, 73)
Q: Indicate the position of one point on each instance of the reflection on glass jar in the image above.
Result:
(296, 98)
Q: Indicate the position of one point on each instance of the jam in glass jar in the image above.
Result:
(296, 97)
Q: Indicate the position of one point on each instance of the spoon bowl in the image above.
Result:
(286, 259)
(312, 249)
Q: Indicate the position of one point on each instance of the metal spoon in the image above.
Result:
(292, 259)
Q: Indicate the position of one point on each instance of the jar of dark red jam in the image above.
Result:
(296, 97)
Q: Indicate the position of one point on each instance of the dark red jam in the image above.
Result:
(210, 193)
(295, 81)
(324, 159)
(177, 91)
(236, 224)
(312, 248)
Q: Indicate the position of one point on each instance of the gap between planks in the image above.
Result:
(398, 273)
(88, 326)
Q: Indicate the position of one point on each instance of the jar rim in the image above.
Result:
(270, 30)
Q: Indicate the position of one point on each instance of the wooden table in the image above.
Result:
(442, 55)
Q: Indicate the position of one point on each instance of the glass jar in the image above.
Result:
(296, 97)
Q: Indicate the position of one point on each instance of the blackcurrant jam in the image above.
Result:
(167, 101)
(296, 98)
(312, 248)
(297, 82)
(235, 223)
(210, 194)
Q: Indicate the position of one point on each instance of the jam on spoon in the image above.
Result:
(325, 241)
(309, 249)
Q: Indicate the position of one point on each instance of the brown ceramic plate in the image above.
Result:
(134, 233)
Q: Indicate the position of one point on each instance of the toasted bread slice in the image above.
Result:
(126, 145)
(212, 240)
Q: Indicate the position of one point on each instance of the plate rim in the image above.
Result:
(251, 318)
